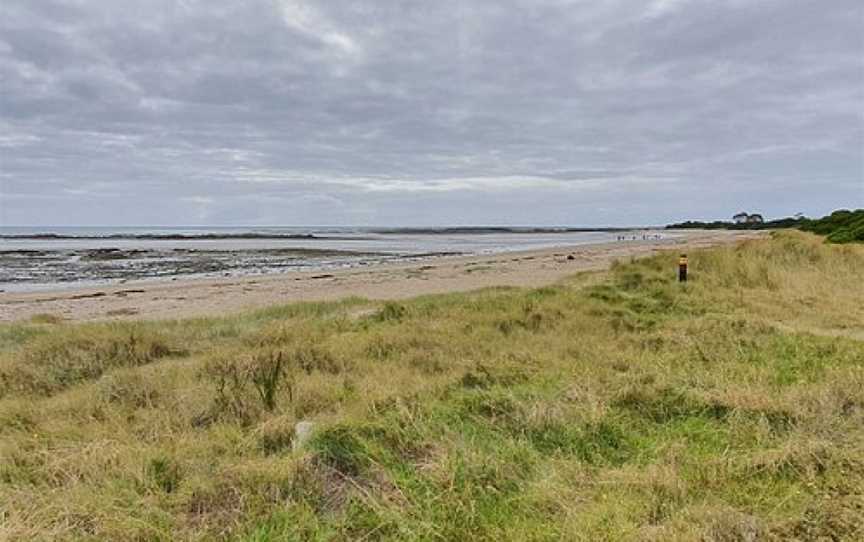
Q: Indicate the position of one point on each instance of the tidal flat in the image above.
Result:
(45, 269)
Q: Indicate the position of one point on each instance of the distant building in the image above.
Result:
(755, 218)
(741, 218)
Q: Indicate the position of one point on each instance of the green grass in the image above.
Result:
(613, 406)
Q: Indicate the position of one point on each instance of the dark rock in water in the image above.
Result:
(103, 254)
(22, 252)
(571, 257)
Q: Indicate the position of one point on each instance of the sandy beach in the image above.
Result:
(195, 298)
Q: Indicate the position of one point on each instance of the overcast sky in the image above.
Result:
(385, 112)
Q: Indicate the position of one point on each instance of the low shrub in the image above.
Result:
(245, 382)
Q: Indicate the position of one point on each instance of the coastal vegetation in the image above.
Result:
(616, 405)
(841, 226)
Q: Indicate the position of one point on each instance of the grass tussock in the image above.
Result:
(69, 356)
(624, 407)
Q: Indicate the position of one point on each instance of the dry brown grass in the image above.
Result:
(621, 406)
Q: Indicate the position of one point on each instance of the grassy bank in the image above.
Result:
(618, 406)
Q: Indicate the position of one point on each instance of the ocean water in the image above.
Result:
(60, 257)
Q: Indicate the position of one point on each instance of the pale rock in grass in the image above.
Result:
(302, 433)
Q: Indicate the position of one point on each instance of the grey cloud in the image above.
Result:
(403, 112)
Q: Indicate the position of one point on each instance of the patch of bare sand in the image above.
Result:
(212, 297)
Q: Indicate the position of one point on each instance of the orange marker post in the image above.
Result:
(682, 268)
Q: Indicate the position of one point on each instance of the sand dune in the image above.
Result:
(185, 298)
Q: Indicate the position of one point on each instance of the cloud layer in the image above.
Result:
(578, 112)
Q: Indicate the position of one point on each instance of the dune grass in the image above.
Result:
(612, 406)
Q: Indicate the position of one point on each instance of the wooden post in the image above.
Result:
(682, 268)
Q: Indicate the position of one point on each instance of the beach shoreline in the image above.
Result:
(182, 298)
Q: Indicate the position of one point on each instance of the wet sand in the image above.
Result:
(214, 297)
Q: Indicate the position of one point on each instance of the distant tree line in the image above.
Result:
(724, 225)
(841, 226)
